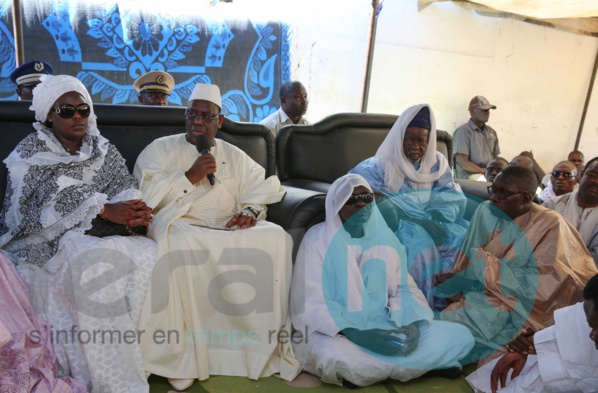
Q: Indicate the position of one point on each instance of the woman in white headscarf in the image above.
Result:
(359, 315)
(419, 190)
(62, 180)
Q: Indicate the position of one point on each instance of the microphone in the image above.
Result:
(202, 143)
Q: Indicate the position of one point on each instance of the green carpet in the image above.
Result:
(220, 384)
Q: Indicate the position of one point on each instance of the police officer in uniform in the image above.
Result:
(154, 88)
(28, 75)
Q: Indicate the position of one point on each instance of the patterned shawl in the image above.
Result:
(49, 191)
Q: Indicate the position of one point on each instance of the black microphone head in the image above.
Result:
(202, 143)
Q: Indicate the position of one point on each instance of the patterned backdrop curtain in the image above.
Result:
(108, 47)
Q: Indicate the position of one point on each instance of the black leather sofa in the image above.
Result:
(308, 158)
(132, 127)
(312, 157)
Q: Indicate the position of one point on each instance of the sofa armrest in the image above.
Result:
(298, 211)
(476, 193)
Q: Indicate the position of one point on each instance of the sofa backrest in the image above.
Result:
(132, 127)
(314, 156)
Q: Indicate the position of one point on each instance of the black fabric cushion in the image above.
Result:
(103, 228)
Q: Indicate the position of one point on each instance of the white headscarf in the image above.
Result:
(336, 197)
(45, 94)
(330, 265)
(51, 88)
(397, 166)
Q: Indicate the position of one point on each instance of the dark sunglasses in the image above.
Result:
(566, 175)
(67, 111)
(503, 194)
(366, 198)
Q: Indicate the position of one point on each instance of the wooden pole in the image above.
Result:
(370, 55)
(17, 26)
(587, 103)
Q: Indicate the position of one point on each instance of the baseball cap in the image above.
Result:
(481, 102)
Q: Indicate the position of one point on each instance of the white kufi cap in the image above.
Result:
(208, 93)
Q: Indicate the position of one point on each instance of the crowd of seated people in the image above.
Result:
(109, 276)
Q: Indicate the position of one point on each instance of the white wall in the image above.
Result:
(445, 55)
(589, 137)
(328, 55)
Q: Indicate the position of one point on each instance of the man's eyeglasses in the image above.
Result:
(67, 111)
(566, 175)
(503, 194)
(366, 198)
(205, 117)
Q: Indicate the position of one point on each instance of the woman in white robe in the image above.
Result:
(89, 289)
(343, 281)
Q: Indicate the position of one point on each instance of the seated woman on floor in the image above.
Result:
(26, 355)
(361, 316)
(66, 180)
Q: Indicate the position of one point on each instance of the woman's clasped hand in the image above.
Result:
(134, 212)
